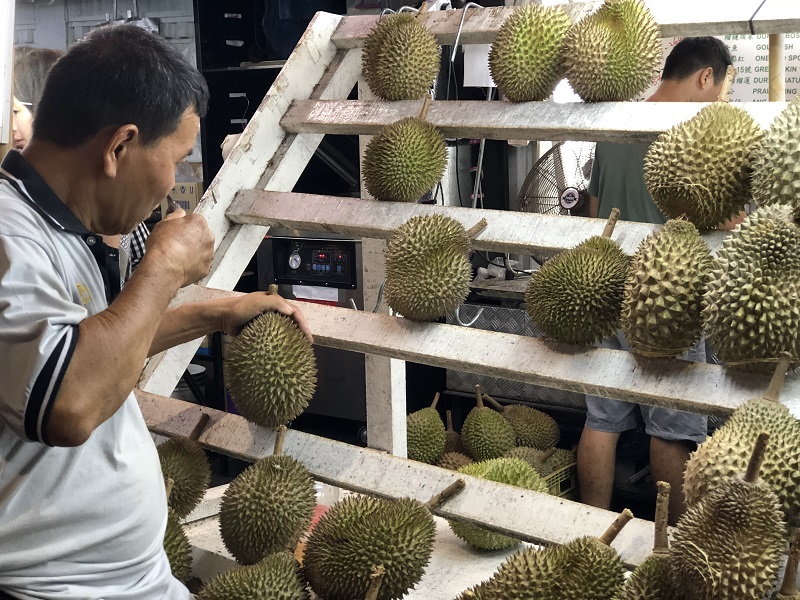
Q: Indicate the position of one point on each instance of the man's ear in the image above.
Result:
(118, 147)
(705, 79)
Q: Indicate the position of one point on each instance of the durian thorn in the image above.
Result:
(168, 485)
(757, 458)
(450, 422)
(435, 400)
(478, 395)
(468, 594)
(612, 532)
(611, 223)
(473, 231)
(789, 586)
(426, 106)
(661, 545)
(273, 289)
(773, 392)
(443, 496)
(375, 581)
(198, 429)
(546, 455)
(279, 438)
(493, 402)
(727, 84)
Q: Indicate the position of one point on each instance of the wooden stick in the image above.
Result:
(426, 106)
(168, 485)
(493, 402)
(447, 493)
(661, 545)
(611, 223)
(279, 438)
(473, 231)
(450, 422)
(757, 458)
(478, 395)
(435, 400)
(546, 455)
(198, 429)
(376, 579)
(778, 377)
(612, 532)
(789, 587)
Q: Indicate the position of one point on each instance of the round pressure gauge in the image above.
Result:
(294, 260)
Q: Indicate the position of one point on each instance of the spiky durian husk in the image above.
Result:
(400, 58)
(532, 427)
(405, 160)
(560, 458)
(727, 452)
(613, 54)
(775, 161)
(454, 461)
(425, 435)
(427, 271)
(512, 471)
(177, 547)
(593, 570)
(751, 312)
(729, 544)
(185, 462)
(276, 577)
(267, 508)
(486, 434)
(270, 370)
(651, 580)
(360, 533)
(576, 297)
(661, 310)
(525, 59)
(453, 443)
(700, 168)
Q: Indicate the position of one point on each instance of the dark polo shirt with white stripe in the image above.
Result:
(75, 523)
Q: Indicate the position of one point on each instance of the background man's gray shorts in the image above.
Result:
(616, 416)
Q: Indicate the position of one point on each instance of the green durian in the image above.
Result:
(532, 427)
(185, 462)
(751, 313)
(729, 545)
(661, 308)
(452, 440)
(425, 434)
(545, 462)
(177, 547)
(454, 461)
(427, 268)
(276, 577)
(700, 168)
(486, 433)
(576, 297)
(400, 58)
(614, 53)
(525, 59)
(270, 370)
(405, 160)
(511, 471)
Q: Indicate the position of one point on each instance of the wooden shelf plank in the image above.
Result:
(598, 122)
(678, 18)
(777, 16)
(669, 383)
(527, 515)
(513, 232)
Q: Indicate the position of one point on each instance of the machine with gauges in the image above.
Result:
(315, 262)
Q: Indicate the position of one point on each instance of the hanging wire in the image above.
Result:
(472, 322)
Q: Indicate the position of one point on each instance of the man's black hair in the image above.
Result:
(694, 53)
(117, 75)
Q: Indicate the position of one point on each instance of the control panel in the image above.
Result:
(309, 261)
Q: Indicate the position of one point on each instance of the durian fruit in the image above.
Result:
(576, 297)
(532, 427)
(267, 507)
(751, 313)
(661, 309)
(729, 545)
(177, 547)
(360, 533)
(185, 462)
(775, 161)
(400, 58)
(614, 53)
(511, 471)
(270, 370)
(727, 452)
(454, 461)
(652, 580)
(546, 462)
(452, 441)
(405, 160)
(525, 59)
(586, 568)
(699, 168)
(486, 433)
(276, 577)
(788, 589)
(425, 434)
(427, 267)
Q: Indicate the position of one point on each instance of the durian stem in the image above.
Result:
(473, 231)
(435, 400)
(450, 422)
(727, 84)
(778, 377)
(789, 587)
(493, 402)
(376, 579)
(279, 438)
(757, 458)
(426, 106)
(443, 496)
(546, 456)
(611, 223)
(273, 289)
(198, 429)
(661, 545)
(612, 532)
(478, 395)
(170, 483)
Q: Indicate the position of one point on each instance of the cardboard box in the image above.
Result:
(186, 194)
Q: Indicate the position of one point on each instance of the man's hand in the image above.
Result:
(238, 312)
(183, 245)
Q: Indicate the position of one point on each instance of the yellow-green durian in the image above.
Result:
(525, 59)
(613, 54)
(177, 547)
(546, 462)
(486, 433)
(276, 577)
(425, 434)
(454, 461)
(185, 462)
(270, 370)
